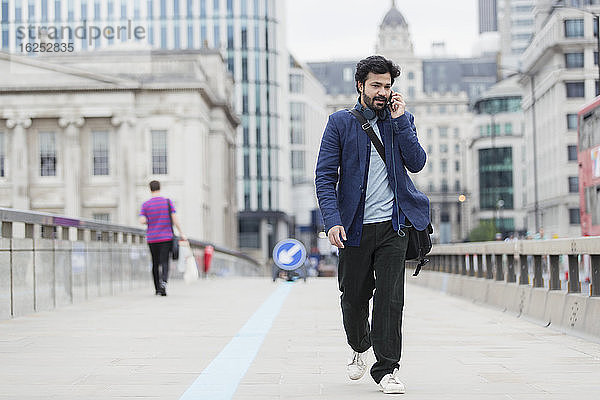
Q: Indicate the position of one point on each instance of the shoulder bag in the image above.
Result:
(175, 239)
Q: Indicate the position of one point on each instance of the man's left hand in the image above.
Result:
(398, 105)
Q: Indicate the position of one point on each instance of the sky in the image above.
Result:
(321, 30)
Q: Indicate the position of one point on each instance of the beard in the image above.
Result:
(370, 102)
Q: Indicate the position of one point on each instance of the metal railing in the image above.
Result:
(48, 260)
(511, 261)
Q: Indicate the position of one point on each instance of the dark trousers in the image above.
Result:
(160, 258)
(376, 265)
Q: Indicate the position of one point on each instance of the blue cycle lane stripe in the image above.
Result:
(220, 379)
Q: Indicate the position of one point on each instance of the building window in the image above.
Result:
(2, 155)
(100, 153)
(575, 89)
(411, 76)
(572, 152)
(297, 160)
(104, 217)
(573, 184)
(457, 166)
(444, 186)
(574, 60)
(457, 186)
(522, 36)
(348, 74)
(429, 132)
(444, 166)
(246, 164)
(246, 194)
(244, 34)
(47, 154)
(217, 36)
(229, 36)
(457, 149)
(4, 11)
(249, 233)
(297, 123)
(245, 103)
(443, 131)
(246, 152)
(523, 22)
(495, 177)
(244, 68)
(595, 58)
(488, 130)
(572, 122)
(508, 128)
(574, 216)
(443, 148)
(573, 28)
(442, 109)
(159, 152)
(296, 83)
(411, 92)
(456, 131)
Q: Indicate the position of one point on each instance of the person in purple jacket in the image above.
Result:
(159, 234)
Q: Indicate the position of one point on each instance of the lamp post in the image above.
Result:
(500, 224)
(536, 203)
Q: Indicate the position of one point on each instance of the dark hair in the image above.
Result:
(377, 65)
(154, 186)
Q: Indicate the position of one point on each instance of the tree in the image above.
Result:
(485, 231)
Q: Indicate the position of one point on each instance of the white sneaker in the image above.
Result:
(391, 383)
(357, 365)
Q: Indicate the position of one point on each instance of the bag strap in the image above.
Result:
(421, 257)
(422, 262)
(366, 126)
(170, 217)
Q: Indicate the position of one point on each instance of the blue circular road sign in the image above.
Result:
(289, 254)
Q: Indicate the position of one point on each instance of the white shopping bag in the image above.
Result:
(185, 251)
(191, 269)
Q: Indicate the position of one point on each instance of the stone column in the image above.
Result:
(19, 165)
(72, 164)
(126, 156)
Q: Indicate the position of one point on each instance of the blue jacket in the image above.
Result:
(346, 148)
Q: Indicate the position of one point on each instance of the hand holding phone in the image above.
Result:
(397, 105)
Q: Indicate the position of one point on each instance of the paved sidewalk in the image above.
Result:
(138, 346)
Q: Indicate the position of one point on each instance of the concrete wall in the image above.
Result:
(42, 274)
(568, 312)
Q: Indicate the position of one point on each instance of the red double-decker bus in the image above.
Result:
(588, 156)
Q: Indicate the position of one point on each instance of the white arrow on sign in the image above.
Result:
(287, 256)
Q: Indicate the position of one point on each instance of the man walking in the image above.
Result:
(367, 217)
(159, 235)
